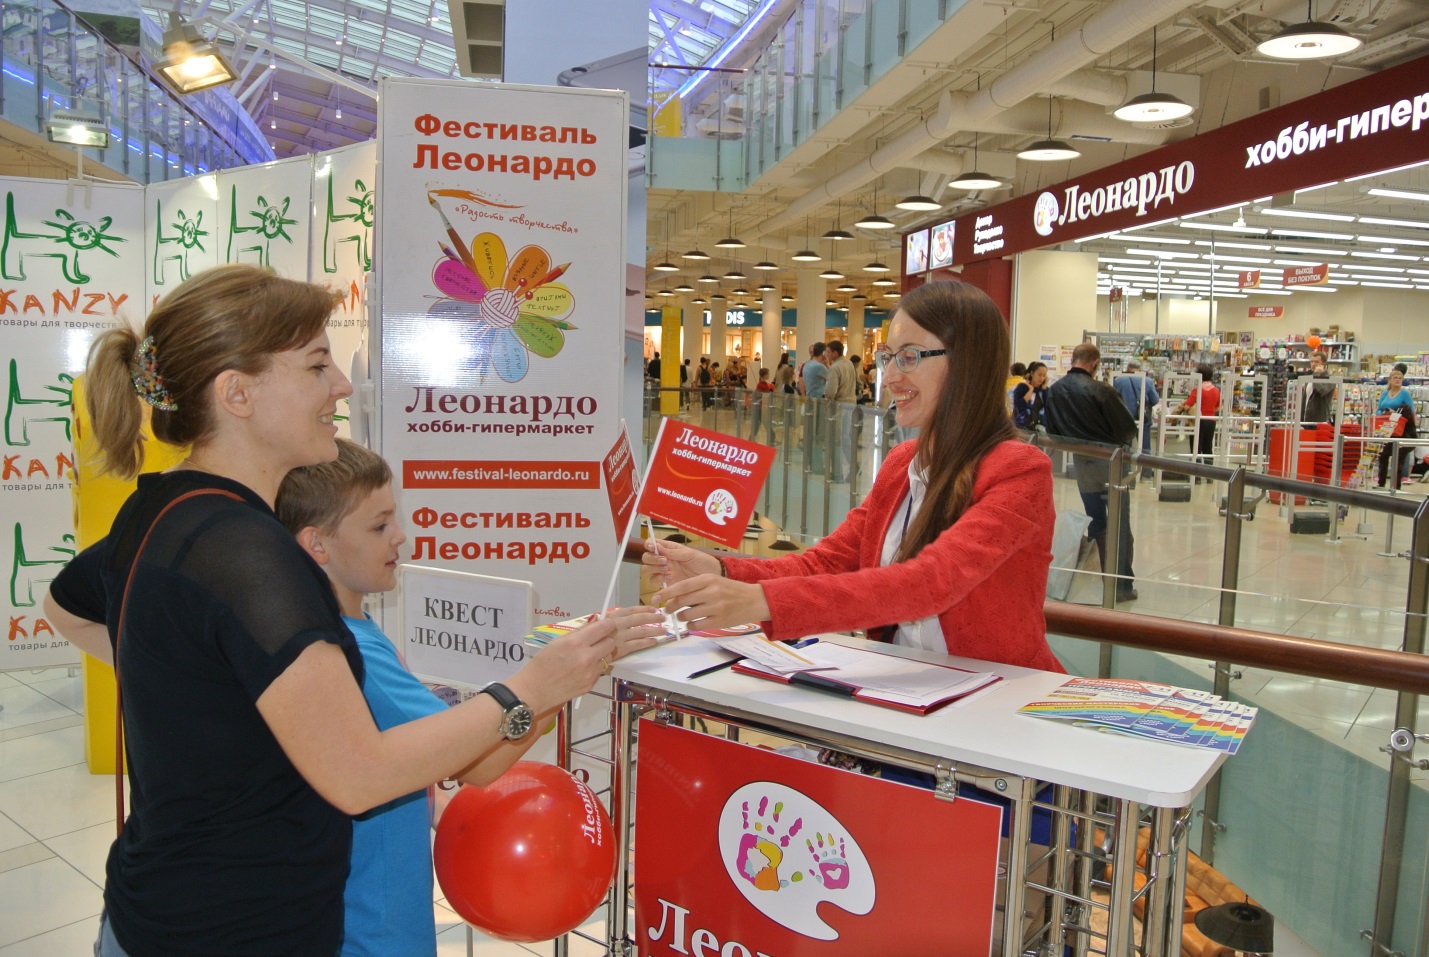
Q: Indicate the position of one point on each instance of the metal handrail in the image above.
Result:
(1312, 657)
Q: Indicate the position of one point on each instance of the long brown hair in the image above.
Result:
(969, 417)
(229, 317)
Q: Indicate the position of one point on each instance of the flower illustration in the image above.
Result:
(519, 307)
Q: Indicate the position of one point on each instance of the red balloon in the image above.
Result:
(1313, 342)
(526, 858)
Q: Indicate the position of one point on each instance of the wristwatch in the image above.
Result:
(516, 715)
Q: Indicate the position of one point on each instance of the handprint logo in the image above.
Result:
(761, 825)
(830, 863)
(759, 854)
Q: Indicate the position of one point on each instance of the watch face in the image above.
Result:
(518, 722)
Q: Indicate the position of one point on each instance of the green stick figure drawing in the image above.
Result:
(17, 423)
(186, 233)
(272, 224)
(23, 583)
(350, 227)
(76, 234)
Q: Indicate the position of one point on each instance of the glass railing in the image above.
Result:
(52, 60)
(1315, 818)
(722, 129)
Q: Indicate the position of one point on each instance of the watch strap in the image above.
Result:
(504, 696)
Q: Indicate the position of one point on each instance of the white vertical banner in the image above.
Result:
(180, 232)
(501, 252)
(265, 216)
(344, 191)
(72, 264)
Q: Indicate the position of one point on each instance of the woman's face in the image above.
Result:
(1038, 377)
(1396, 379)
(914, 393)
(294, 404)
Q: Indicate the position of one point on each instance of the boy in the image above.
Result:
(344, 515)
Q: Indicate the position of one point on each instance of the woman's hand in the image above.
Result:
(636, 628)
(675, 562)
(712, 601)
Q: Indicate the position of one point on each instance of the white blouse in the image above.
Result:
(926, 633)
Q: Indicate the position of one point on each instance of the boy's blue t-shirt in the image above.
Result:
(388, 899)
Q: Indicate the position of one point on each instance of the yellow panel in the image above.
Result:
(97, 497)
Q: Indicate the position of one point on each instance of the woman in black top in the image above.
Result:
(249, 740)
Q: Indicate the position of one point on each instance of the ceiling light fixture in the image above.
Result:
(805, 255)
(876, 266)
(1049, 150)
(735, 274)
(766, 265)
(871, 220)
(838, 234)
(1153, 106)
(77, 129)
(766, 287)
(684, 287)
(731, 241)
(975, 179)
(666, 266)
(707, 278)
(696, 253)
(1305, 214)
(831, 273)
(1309, 40)
(189, 62)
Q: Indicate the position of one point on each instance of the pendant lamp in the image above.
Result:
(1049, 150)
(731, 241)
(976, 179)
(1153, 106)
(1309, 40)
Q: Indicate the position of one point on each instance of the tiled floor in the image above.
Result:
(56, 820)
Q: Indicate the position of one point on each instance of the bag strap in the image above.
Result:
(118, 689)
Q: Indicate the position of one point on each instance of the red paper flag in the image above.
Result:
(622, 483)
(704, 482)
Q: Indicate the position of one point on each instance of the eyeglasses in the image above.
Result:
(907, 358)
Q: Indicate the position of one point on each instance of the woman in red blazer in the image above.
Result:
(951, 547)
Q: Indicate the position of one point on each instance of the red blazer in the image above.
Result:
(985, 577)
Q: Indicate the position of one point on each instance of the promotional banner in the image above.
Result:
(72, 264)
(704, 482)
(180, 232)
(1266, 312)
(1306, 275)
(1250, 279)
(737, 846)
(340, 257)
(1364, 126)
(463, 629)
(502, 301)
(264, 216)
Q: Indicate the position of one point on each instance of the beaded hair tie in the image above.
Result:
(144, 373)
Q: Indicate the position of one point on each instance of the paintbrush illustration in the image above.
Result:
(457, 244)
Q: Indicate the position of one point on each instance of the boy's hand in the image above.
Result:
(567, 667)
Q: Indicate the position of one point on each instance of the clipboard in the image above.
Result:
(874, 677)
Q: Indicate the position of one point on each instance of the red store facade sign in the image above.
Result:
(1375, 123)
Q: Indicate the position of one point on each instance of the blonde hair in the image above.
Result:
(323, 495)
(230, 317)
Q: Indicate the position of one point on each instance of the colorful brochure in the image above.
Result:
(1147, 710)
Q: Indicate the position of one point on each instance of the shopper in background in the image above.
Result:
(1016, 377)
(1030, 398)
(950, 549)
(249, 742)
(815, 372)
(1319, 396)
(1396, 398)
(1080, 407)
(784, 375)
(1132, 387)
(1208, 397)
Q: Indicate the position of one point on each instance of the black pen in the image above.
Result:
(713, 668)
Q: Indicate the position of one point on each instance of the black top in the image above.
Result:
(227, 850)
(1077, 406)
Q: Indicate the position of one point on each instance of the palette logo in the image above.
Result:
(1044, 214)
(786, 854)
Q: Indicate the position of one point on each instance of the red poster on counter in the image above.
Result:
(1250, 279)
(622, 483)
(704, 482)
(1266, 312)
(736, 845)
(1306, 275)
